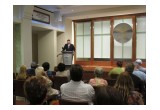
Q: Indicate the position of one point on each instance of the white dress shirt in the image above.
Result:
(77, 91)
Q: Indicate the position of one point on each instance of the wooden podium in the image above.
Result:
(67, 57)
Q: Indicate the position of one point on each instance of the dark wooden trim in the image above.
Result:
(43, 9)
(83, 20)
(134, 39)
(112, 42)
(92, 42)
(109, 17)
(75, 42)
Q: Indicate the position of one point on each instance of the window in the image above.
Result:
(97, 40)
(123, 50)
(102, 39)
(141, 37)
(83, 40)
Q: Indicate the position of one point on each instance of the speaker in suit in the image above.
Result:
(68, 46)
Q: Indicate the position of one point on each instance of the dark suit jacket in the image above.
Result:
(71, 47)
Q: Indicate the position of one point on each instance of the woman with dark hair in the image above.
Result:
(62, 72)
(46, 67)
(124, 85)
(106, 95)
(35, 89)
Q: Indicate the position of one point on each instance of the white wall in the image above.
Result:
(60, 44)
(68, 30)
(47, 48)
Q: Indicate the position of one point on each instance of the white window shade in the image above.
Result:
(123, 51)
(87, 46)
(97, 27)
(83, 40)
(106, 46)
(141, 37)
(79, 47)
(79, 29)
(141, 45)
(102, 39)
(97, 46)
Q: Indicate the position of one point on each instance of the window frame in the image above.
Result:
(111, 61)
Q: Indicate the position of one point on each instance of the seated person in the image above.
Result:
(98, 80)
(40, 72)
(35, 89)
(22, 75)
(107, 95)
(46, 67)
(138, 83)
(139, 73)
(31, 71)
(61, 71)
(125, 86)
(117, 70)
(76, 89)
(139, 67)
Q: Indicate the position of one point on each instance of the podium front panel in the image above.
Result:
(67, 58)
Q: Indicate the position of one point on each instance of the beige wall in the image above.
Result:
(60, 44)
(35, 47)
(68, 29)
(47, 48)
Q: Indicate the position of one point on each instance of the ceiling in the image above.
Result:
(71, 9)
(89, 11)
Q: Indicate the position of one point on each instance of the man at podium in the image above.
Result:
(68, 46)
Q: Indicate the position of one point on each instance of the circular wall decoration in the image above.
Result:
(122, 33)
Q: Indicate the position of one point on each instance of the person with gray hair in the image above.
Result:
(98, 80)
(138, 64)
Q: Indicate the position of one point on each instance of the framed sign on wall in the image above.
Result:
(41, 17)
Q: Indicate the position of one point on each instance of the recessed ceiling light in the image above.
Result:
(72, 10)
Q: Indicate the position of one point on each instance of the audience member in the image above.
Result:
(98, 80)
(125, 86)
(138, 62)
(46, 67)
(107, 95)
(61, 71)
(22, 73)
(55, 68)
(135, 98)
(138, 83)
(139, 73)
(40, 72)
(31, 71)
(76, 89)
(35, 89)
(117, 70)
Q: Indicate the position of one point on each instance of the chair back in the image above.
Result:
(111, 82)
(69, 102)
(18, 87)
(114, 76)
(58, 81)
